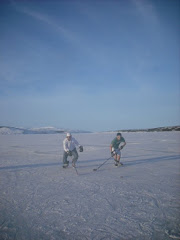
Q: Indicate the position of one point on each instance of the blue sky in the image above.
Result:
(92, 65)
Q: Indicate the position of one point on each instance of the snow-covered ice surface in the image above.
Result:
(41, 200)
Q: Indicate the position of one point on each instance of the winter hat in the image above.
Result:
(118, 134)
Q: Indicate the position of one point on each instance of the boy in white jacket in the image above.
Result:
(69, 145)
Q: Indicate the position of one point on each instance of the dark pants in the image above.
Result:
(74, 154)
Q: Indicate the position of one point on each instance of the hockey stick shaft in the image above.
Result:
(101, 164)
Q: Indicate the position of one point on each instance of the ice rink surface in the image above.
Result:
(41, 200)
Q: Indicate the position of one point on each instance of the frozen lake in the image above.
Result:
(41, 200)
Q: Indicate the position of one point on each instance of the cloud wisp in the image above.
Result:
(76, 39)
(46, 20)
(147, 11)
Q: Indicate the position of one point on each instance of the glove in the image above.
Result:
(81, 148)
(121, 147)
(113, 153)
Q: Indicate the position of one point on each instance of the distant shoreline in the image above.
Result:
(5, 130)
(158, 129)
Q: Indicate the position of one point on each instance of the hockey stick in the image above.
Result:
(95, 169)
(76, 170)
(75, 167)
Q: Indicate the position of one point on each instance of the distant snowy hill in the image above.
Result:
(4, 130)
(10, 130)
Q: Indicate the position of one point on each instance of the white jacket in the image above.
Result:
(70, 145)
